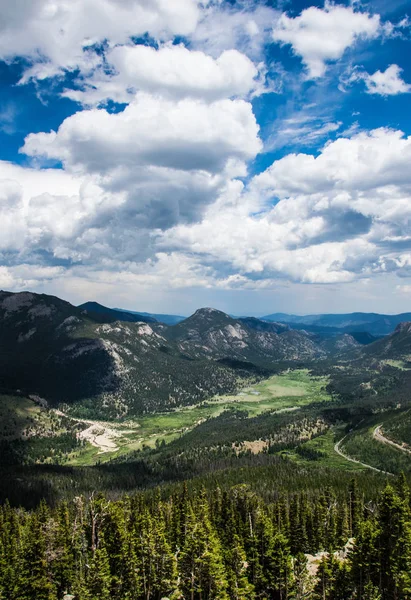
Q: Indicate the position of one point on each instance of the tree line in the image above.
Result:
(216, 544)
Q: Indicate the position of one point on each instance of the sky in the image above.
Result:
(250, 155)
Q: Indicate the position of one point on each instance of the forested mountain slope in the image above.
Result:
(396, 345)
(210, 332)
(220, 545)
(69, 355)
(99, 312)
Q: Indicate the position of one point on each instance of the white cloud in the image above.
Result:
(334, 218)
(186, 135)
(388, 82)
(404, 289)
(301, 130)
(171, 70)
(247, 27)
(343, 215)
(323, 35)
(158, 163)
(56, 34)
(383, 83)
(368, 160)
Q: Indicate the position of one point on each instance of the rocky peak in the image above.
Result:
(404, 327)
(209, 313)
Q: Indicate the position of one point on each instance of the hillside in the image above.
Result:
(210, 332)
(394, 346)
(97, 366)
(99, 312)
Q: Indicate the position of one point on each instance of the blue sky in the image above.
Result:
(248, 155)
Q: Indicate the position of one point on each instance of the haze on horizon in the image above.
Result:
(170, 155)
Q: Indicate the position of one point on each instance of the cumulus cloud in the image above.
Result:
(155, 195)
(383, 83)
(171, 70)
(156, 164)
(323, 35)
(56, 35)
(341, 216)
(335, 218)
(186, 135)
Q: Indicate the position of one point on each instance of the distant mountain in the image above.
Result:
(372, 323)
(100, 312)
(108, 363)
(167, 319)
(363, 337)
(260, 325)
(339, 345)
(70, 356)
(397, 345)
(104, 362)
(210, 332)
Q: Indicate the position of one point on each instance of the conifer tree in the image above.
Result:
(364, 558)
(394, 543)
(35, 581)
(238, 585)
(99, 577)
(355, 507)
(201, 564)
(63, 556)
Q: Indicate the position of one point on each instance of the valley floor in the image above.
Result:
(105, 441)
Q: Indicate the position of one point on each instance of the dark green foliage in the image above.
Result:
(209, 545)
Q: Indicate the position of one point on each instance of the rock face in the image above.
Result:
(212, 333)
(112, 368)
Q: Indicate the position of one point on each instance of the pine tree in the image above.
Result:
(394, 545)
(275, 560)
(355, 507)
(35, 580)
(238, 585)
(158, 573)
(63, 557)
(201, 564)
(99, 576)
(301, 576)
(364, 557)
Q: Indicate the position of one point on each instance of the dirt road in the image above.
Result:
(380, 437)
(354, 460)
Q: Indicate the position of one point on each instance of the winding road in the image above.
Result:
(380, 437)
(338, 450)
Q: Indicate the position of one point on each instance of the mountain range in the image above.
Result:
(365, 327)
(372, 323)
(112, 363)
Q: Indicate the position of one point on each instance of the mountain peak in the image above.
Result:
(209, 312)
(404, 327)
